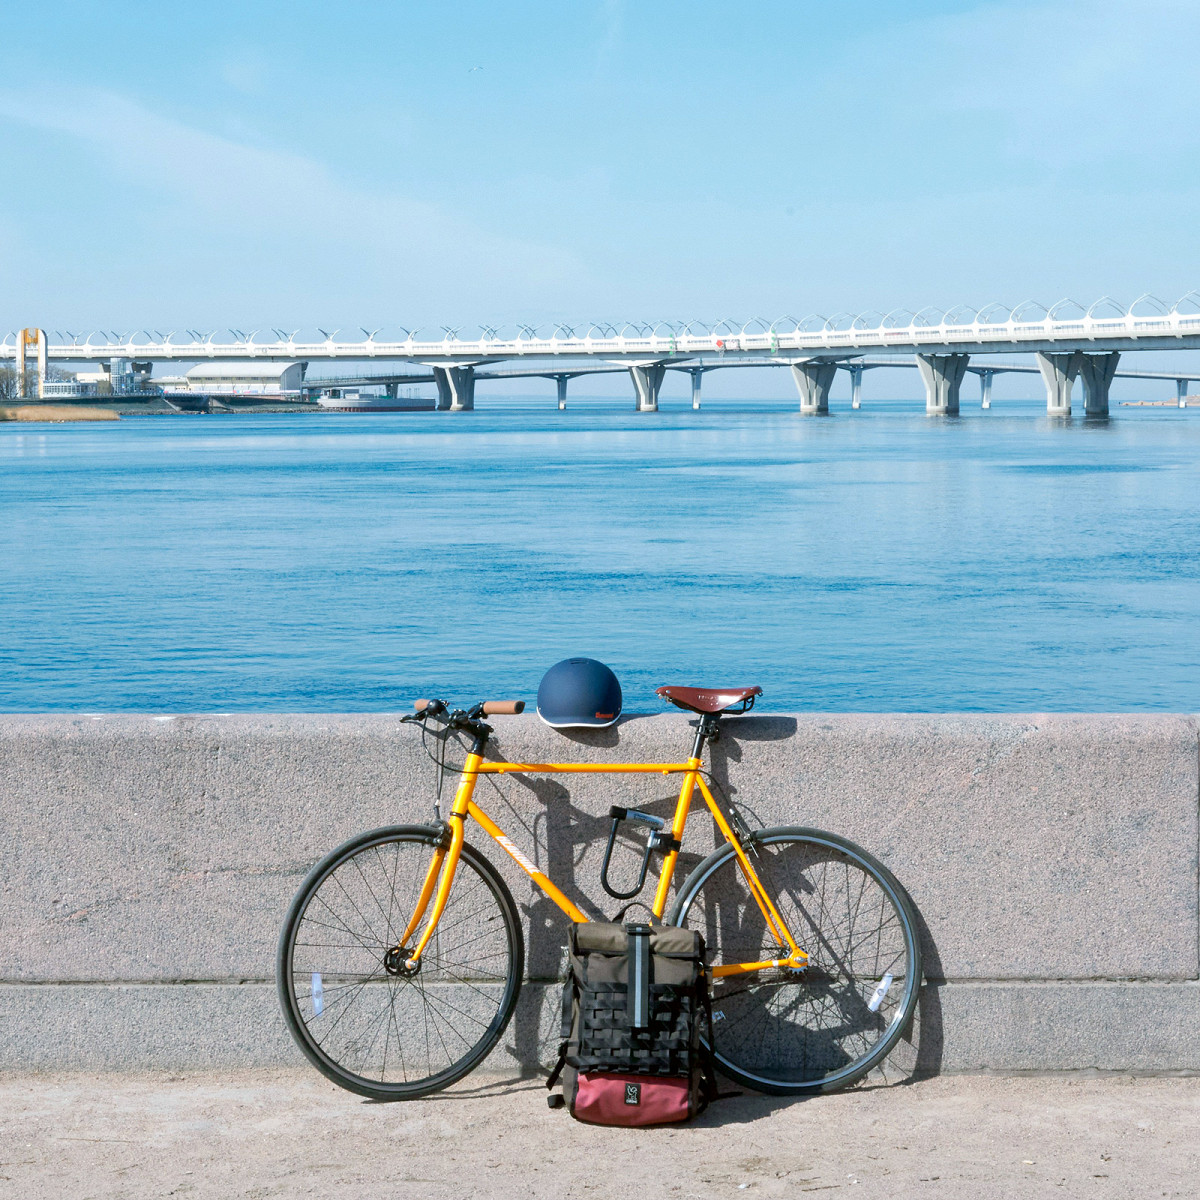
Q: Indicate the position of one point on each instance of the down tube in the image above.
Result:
(539, 877)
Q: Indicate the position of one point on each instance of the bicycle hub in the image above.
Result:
(395, 962)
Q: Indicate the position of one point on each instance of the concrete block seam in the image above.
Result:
(1034, 981)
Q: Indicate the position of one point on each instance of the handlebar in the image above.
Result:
(490, 708)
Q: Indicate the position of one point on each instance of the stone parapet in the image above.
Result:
(147, 863)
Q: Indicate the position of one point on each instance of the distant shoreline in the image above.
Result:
(56, 413)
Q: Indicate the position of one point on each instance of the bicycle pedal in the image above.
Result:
(556, 1101)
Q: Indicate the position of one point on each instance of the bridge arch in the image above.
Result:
(959, 315)
(994, 314)
(390, 335)
(470, 333)
(1066, 309)
(1187, 306)
(1029, 312)
(1106, 309)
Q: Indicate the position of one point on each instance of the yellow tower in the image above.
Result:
(31, 341)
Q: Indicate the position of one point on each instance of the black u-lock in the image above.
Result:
(656, 841)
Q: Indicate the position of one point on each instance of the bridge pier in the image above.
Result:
(813, 381)
(456, 388)
(943, 376)
(697, 375)
(561, 384)
(1059, 371)
(1096, 371)
(647, 381)
(856, 374)
(985, 388)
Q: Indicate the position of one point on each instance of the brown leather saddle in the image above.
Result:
(711, 700)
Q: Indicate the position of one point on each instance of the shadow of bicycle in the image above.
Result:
(836, 1018)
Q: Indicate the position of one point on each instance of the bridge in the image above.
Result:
(1069, 341)
(855, 367)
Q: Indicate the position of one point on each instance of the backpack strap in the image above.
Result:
(568, 1017)
(710, 1090)
(558, 1067)
(637, 997)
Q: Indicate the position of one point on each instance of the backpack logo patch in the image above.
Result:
(633, 1093)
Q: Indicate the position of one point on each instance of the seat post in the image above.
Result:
(704, 731)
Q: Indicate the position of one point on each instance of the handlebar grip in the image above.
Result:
(503, 707)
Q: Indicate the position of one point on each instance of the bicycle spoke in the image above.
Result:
(391, 1034)
(798, 1029)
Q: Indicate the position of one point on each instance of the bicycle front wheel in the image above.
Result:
(382, 1034)
(789, 1032)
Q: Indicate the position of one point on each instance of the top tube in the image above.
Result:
(509, 768)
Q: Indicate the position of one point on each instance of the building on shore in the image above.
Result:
(279, 379)
(117, 377)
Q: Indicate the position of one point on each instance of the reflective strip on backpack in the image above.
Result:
(638, 996)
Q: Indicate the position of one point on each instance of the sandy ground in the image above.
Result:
(263, 1134)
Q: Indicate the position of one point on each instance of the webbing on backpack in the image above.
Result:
(631, 1007)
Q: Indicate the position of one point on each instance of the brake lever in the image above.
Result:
(432, 709)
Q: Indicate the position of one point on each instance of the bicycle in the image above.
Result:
(400, 959)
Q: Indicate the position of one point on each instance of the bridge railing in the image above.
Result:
(845, 333)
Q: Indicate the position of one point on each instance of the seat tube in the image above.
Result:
(678, 824)
(458, 820)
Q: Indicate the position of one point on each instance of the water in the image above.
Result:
(869, 561)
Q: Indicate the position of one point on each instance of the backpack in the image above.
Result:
(633, 1009)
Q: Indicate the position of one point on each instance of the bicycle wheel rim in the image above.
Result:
(819, 1022)
(454, 1009)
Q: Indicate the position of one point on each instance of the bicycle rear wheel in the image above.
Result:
(789, 1032)
(397, 1036)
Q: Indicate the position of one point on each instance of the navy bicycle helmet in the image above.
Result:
(579, 692)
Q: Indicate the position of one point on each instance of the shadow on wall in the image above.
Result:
(571, 839)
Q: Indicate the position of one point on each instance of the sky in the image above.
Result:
(418, 165)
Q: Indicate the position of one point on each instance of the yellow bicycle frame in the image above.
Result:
(442, 867)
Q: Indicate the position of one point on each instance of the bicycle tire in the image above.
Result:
(796, 1032)
(449, 993)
